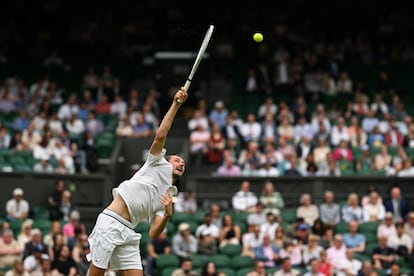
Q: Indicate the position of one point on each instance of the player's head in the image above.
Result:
(178, 165)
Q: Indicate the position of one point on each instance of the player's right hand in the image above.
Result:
(181, 96)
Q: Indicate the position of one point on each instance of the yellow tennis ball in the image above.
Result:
(258, 37)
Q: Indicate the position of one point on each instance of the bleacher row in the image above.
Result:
(23, 161)
(229, 258)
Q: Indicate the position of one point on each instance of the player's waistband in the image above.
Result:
(119, 218)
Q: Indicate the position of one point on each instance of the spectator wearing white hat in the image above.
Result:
(17, 207)
(184, 244)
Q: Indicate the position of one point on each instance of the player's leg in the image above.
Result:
(131, 272)
(95, 271)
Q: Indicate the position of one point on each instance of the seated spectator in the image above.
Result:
(409, 225)
(215, 214)
(285, 129)
(268, 169)
(286, 268)
(369, 122)
(43, 166)
(251, 240)
(348, 265)
(10, 250)
(141, 127)
(360, 139)
(93, 124)
(271, 199)
(312, 250)
(393, 137)
(400, 242)
(366, 198)
(382, 160)
(16, 142)
(313, 268)
(354, 240)
(207, 244)
(407, 169)
(199, 141)
(103, 106)
(213, 229)
(198, 119)
(186, 268)
(269, 129)
(327, 239)
(78, 254)
(251, 151)
(329, 211)
(33, 262)
(366, 162)
(35, 242)
(75, 125)
(387, 227)
(259, 269)
(267, 252)
(18, 269)
(251, 129)
(374, 210)
(21, 122)
(293, 169)
(244, 200)
(216, 145)
(219, 114)
(293, 251)
(339, 133)
(302, 235)
(325, 267)
(397, 205)
(55, 229)
(259, 215)
(210, 269)
(376, 138)
(337, 252)
(229, 233)
(280, 237)
(268, 106)
(318, 227)
(271, 224)
(367, 269)
(124, 128)
(343, 152)
(68, 228)
(119, 106)
(184, 244)
(382, 255)
(307, 210)
(395, 270)
(320, 152)
(64, 264)
(186, 202)
(17, 207)
(54, 249)
(25, 234)
(66, 206)
(229, 168)
(351, 210)
(302, 129)
(160, 245)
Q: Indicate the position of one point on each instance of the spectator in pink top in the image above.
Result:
(229, 168)
(342, 152)
(337, 252)
(68, 229)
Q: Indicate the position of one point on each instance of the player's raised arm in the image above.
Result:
(167, 121)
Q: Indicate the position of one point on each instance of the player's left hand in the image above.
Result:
(167, 201)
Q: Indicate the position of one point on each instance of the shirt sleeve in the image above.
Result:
(153, 159)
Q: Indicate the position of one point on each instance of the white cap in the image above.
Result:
(75, 215)
(219, 104)
(183, 226)
(18, 192)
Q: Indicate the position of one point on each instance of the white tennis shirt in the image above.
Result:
(142, 191)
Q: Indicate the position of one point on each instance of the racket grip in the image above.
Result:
(186, 87)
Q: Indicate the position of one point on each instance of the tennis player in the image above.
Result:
(113, 241)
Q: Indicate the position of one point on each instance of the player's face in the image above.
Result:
(178, 165)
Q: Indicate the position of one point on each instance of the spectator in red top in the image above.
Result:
(343, 152)
(394, 137)
(103, 106)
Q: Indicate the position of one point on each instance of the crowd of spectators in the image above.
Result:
(304, 135)
(52, 241)
(369, 234)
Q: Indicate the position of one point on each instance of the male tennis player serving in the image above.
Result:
(113, 241)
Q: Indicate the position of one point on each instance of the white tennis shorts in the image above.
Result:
(113, 243)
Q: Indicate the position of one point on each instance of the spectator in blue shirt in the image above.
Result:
(353, 239)
(22, 121)
(219, 114)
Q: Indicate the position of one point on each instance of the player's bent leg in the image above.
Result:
(95, 271)
(131, 272)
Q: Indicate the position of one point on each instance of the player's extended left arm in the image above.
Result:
(158, 223)
(167, 121)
